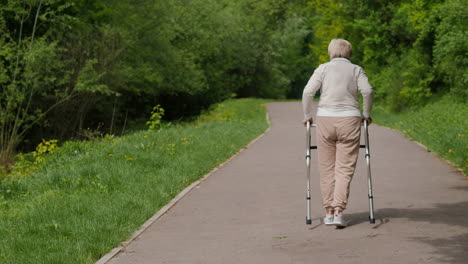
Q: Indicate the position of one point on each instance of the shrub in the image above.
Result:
(156, 118)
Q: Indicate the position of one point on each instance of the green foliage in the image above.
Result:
(67, 67)
(88, 80)
(209, 50)
(39, 72)
(90, 196)
(440, 125)
(26, 165)
(73, 66)
(451, 48)
(414, 53)
(155, 120)
(289, 64)
(411, 50)
(404, 83)
(233, 110)
(416, 77)
(329, 22)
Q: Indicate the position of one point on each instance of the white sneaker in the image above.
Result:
(328, 219)
(340, 221)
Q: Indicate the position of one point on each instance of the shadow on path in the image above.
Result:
(461, 188)
(441, 213)
(453, 249)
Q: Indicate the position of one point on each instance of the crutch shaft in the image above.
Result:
(369, 177)
(308, 217)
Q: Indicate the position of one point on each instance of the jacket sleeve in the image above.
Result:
(313, 85)
(367, 93)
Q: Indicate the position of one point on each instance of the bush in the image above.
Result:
(155, 120)
(451, 48)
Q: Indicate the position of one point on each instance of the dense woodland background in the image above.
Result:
(75, 69)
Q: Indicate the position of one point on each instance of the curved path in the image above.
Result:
(252, 210)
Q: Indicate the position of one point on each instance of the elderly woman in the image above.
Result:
(338, 124)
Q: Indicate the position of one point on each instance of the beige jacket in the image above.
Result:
(339, 82)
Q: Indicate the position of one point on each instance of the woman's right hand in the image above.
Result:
(369, 120)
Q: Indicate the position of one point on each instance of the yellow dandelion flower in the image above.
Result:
(145, 136)
(262, 105)
(129, 158)
(110, 155)
(459, 135)
(450, 150)
(148, 146)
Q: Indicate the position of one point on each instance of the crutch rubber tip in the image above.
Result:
(309, 221)
(372, 220)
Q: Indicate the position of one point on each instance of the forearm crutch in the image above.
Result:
(308, 148)
(369, 178)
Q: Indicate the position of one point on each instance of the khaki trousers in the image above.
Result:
(338, 150)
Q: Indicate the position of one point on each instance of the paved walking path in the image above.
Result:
(252, 210)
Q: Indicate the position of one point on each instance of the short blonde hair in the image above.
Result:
(339, 48)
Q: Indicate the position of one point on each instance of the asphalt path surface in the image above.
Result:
(253, 209)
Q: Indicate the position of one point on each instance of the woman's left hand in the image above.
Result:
(304, 122)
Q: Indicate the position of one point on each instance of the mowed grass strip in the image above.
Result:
(90, 196)
(442, 126)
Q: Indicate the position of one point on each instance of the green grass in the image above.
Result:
(442, 126)
(90, 196)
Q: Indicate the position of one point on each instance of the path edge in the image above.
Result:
(115, 251)
(426, 149)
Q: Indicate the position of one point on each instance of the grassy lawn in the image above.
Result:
(442, 126)
(87, 197)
